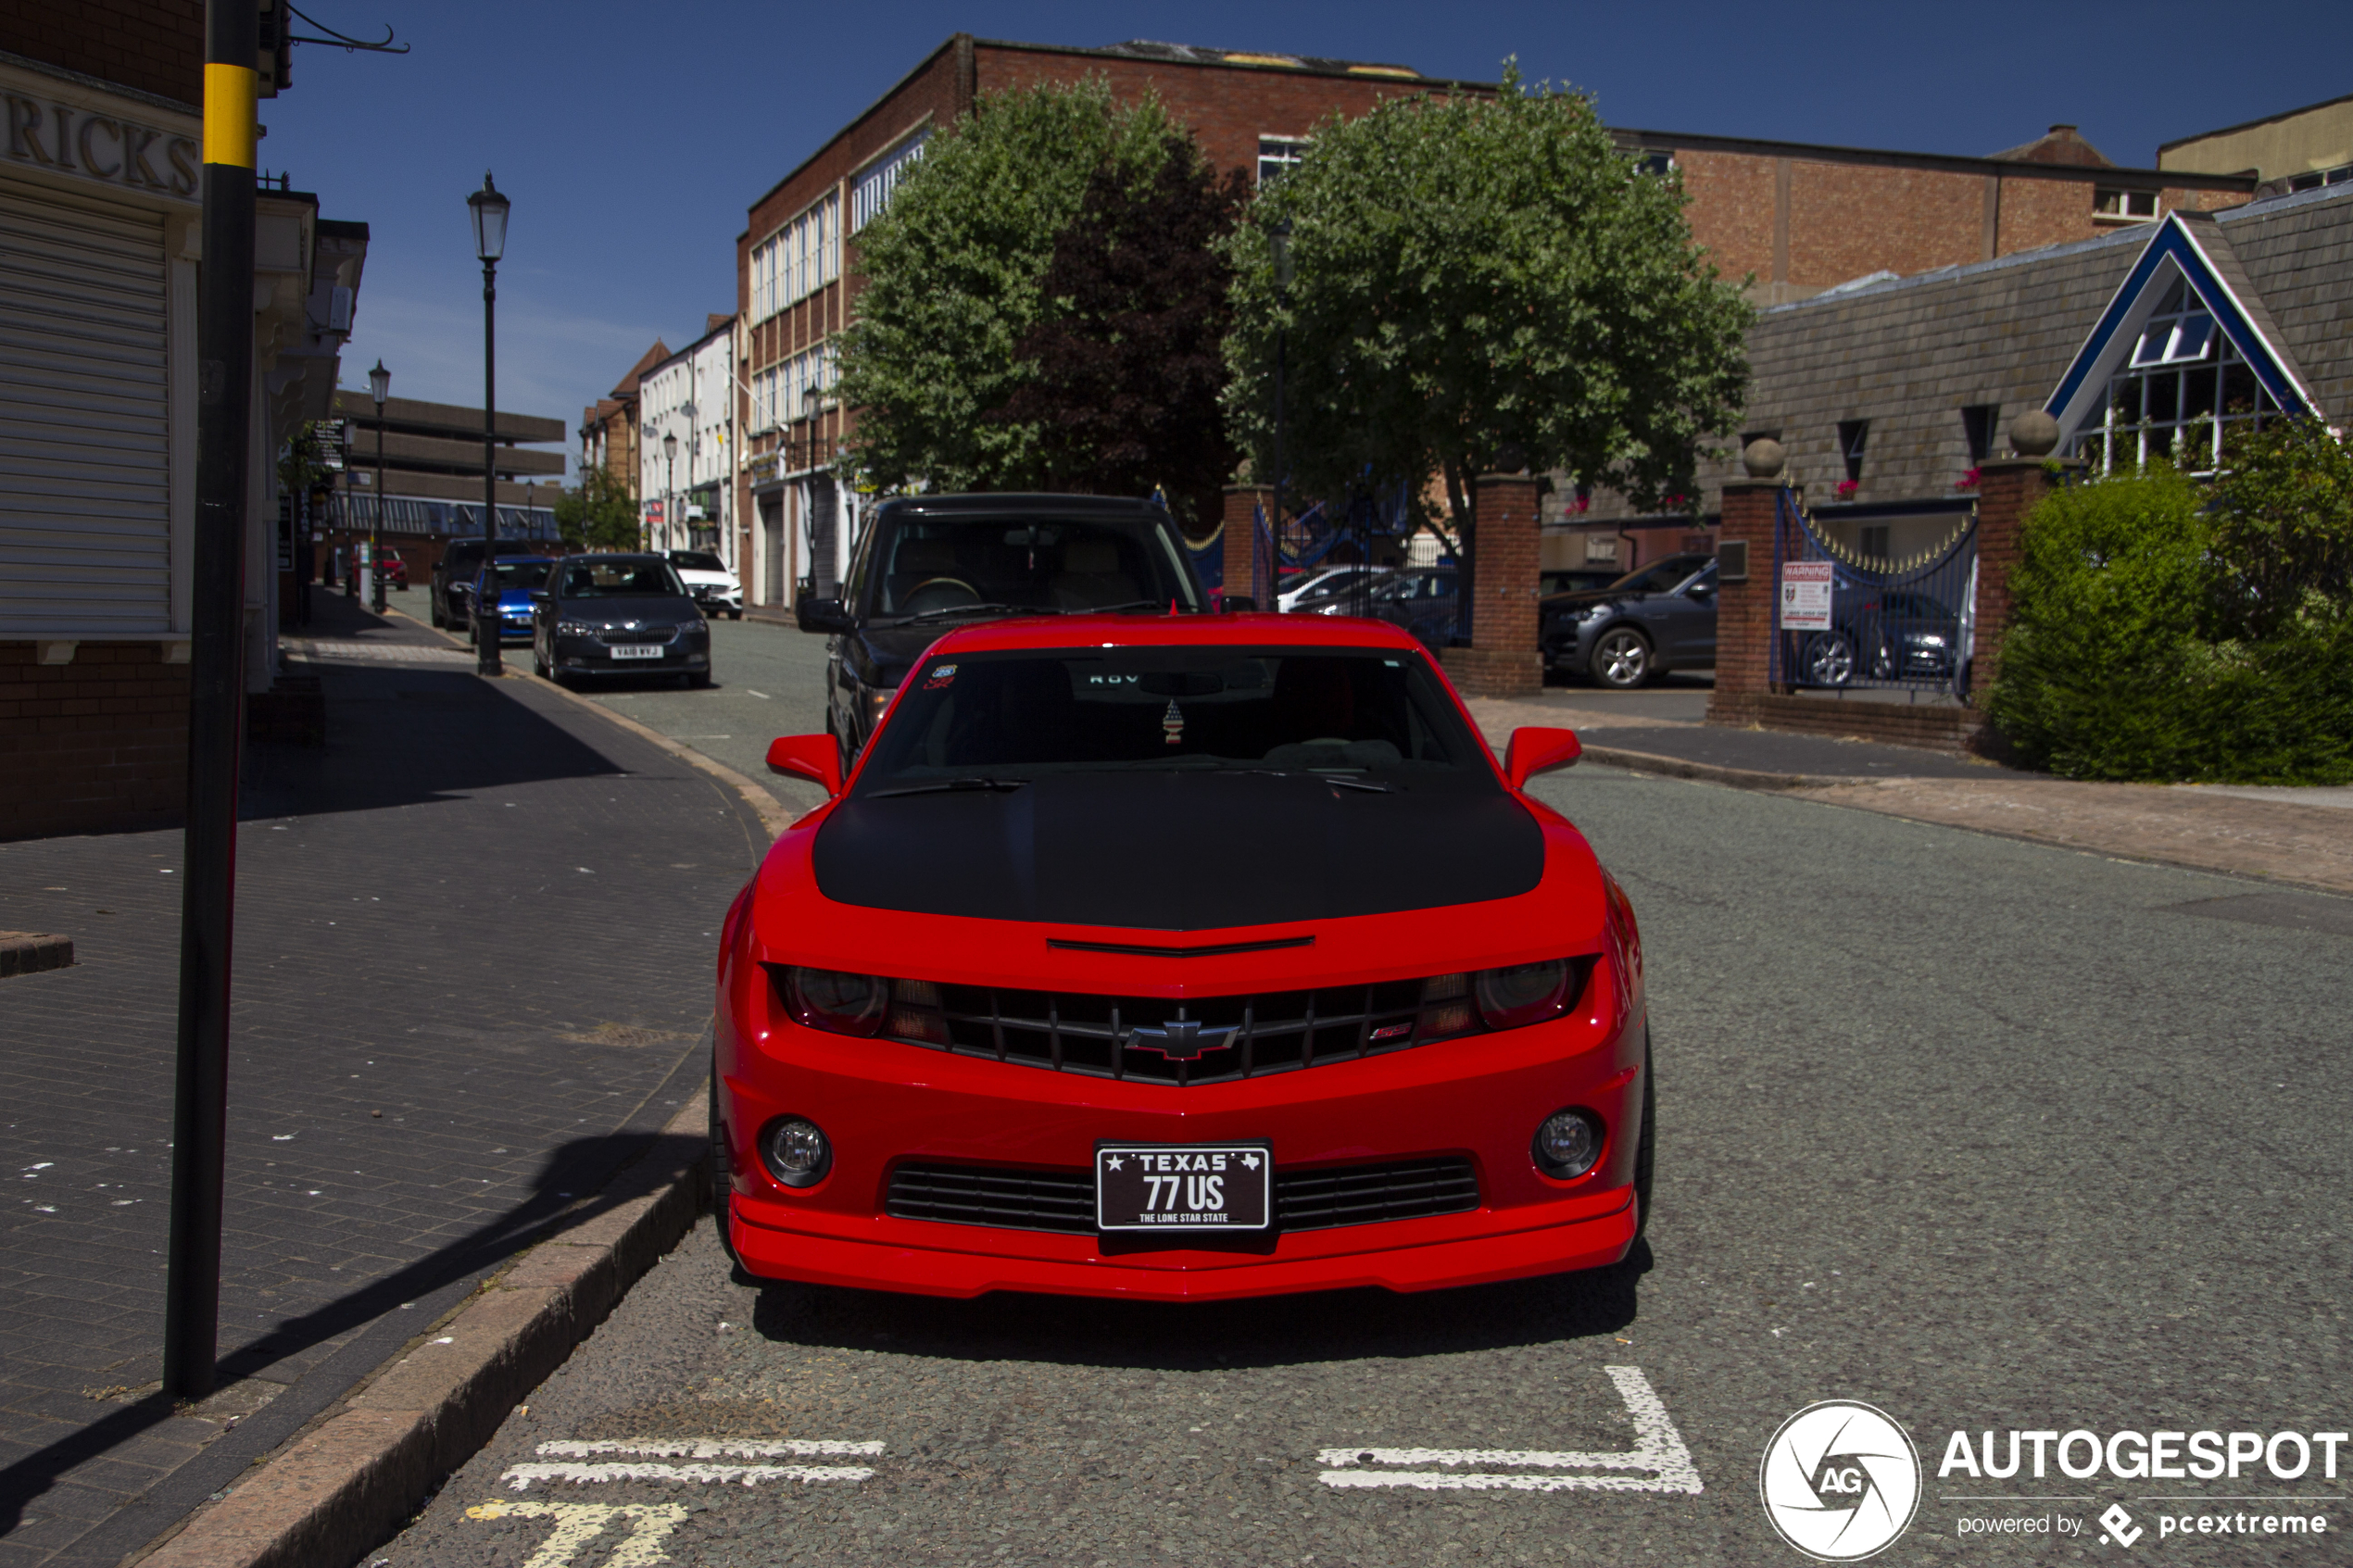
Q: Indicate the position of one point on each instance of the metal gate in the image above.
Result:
(1843, 619)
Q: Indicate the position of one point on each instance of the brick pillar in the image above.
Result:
(2007, 489)
(1503, 659)
(1744, 609)
(1242, 503)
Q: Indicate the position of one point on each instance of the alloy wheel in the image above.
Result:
(1622, 660)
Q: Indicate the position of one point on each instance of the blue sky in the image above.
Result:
(633, 137)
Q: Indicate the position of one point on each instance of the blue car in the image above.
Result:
(518, 582)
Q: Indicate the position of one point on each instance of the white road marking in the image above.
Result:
(1658, 1451)
(520, 1477)
(577, 1523)
(708, 1447)
(761, 695)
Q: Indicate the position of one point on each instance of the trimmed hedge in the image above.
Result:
(2129, 655)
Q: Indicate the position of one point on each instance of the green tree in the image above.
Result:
(2283, 529)
(1127, 364)
(597, 514)
(1482, 282)
(955, 282)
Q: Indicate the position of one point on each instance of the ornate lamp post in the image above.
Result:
(669, 490)
(1278, 241)
(379, 388)
(490, 209)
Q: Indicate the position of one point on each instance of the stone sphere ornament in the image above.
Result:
(2033, 433)
(1764, 457)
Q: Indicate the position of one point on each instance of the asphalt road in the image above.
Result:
(1985, 1135)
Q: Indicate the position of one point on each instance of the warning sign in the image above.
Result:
(1806, 595)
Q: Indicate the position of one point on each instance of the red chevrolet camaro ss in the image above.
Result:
(1179, 958)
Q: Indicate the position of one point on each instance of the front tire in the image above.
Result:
(1646, 1151)
(1622, 659)
(723, 1185)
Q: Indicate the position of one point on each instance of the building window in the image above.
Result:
(1278, 156)
(872, 193)
(2123, 207)
(1661, 164)
(798, 260)
(2181, 392)
(1978, 422)
(2315, 179)
(1852, 434)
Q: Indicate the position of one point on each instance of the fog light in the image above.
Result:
(1567, 1144)
(795, 1151)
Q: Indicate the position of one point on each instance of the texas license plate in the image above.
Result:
(1165, 1186)
(641, 650)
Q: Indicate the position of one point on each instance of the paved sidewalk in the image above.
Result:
(472, 945)
(2295, 838)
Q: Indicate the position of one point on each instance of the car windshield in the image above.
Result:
(1655, 579)
(619, 577)
(1357, 715)
(935, 565)
(521, 574)
(695, 561)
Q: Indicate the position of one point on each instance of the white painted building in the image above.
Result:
(687, 490)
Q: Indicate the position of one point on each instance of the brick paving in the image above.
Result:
(472, 945)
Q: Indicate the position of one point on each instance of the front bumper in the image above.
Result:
(1569, 650)
(589, 655)
(883, 1104)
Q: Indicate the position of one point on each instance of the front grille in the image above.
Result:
(1064, 1200)
(612, 639)
(1201, 1040)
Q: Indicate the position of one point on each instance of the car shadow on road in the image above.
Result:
(1270, 1331)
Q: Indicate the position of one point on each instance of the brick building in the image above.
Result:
(100, 215)
(1798, 217)
(796, 261)
(609, 426)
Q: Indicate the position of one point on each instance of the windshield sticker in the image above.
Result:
(1172, 724)
(941, 675)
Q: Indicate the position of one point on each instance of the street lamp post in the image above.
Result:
(1278, 239)
(379, 387)
(670, 491)
(490, 209)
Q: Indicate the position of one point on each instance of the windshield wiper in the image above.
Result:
(924, 615)
(1338, 781)
(950, 787)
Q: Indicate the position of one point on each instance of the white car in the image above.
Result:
(715, 589)
(1316, 585)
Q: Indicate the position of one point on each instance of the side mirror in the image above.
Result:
(539, 595)
(1703, 590)
(1534, 750)
(815, 758)
(1237, 604)
(820, 615)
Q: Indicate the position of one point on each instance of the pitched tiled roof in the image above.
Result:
(1908, 354)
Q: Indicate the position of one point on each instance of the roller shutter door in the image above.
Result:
(84, 417)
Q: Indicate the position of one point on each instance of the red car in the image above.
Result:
(1179, 958)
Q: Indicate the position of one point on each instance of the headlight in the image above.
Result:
(697, 625)
(876, 698)
(837, 1002)
(1524, 994)
(573, 628)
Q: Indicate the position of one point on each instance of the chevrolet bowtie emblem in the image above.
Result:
(1181, 1039)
